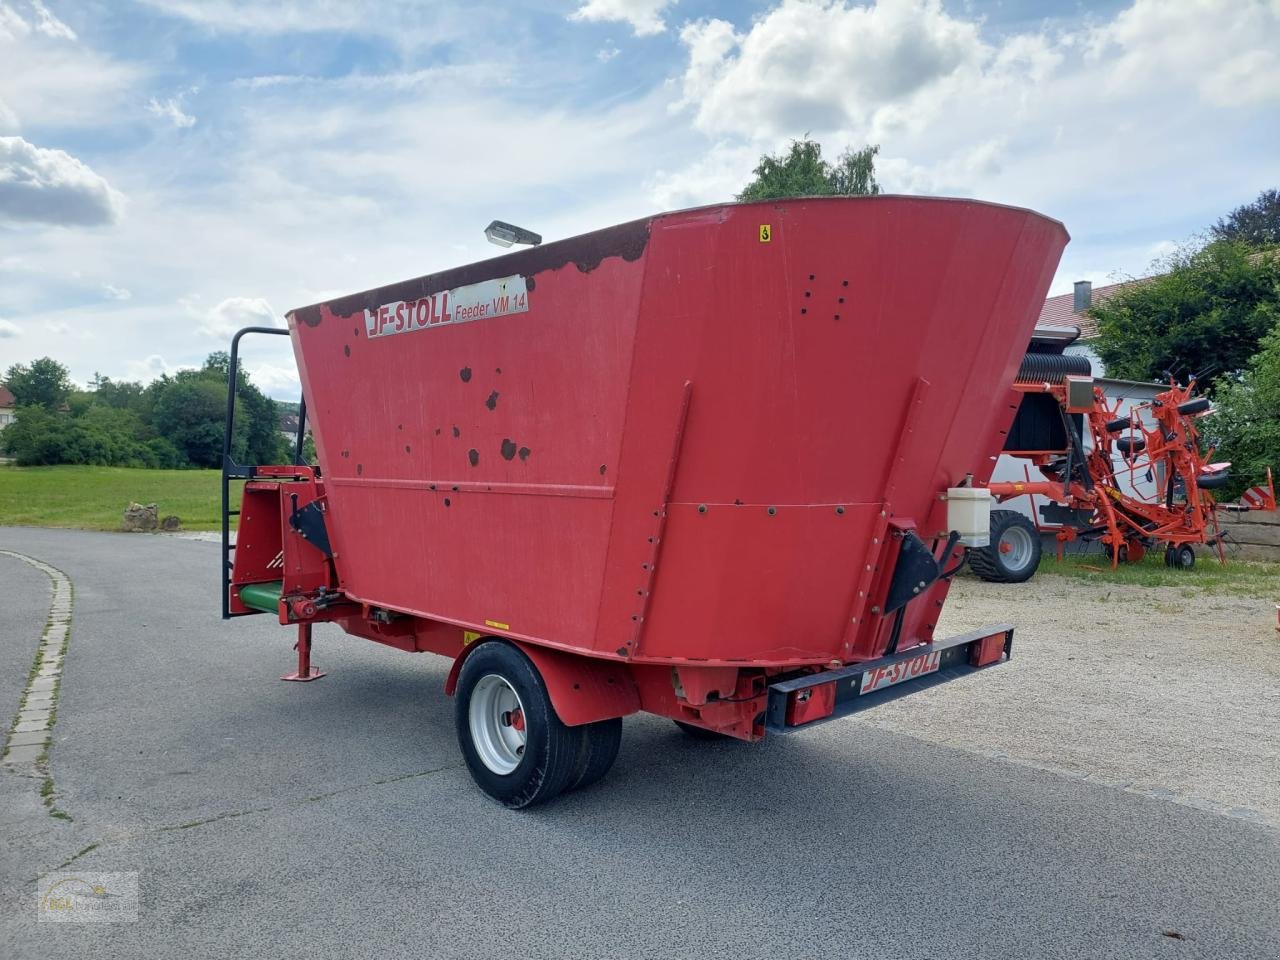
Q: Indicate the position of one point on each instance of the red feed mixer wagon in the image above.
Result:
(718, 465)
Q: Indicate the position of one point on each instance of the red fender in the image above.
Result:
(582, 689)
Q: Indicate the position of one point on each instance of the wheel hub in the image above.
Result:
(496, 719)
(1016, 547)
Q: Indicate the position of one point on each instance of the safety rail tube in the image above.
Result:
(231, 469)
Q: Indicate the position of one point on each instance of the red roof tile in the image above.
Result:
(6, 398)
(1059, 310)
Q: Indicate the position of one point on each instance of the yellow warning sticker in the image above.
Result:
(766, 233)
(496, 625)
(469, 636)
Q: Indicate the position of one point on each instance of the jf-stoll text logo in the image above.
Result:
(87, 897)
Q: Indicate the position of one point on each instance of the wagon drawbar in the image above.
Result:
(718, 465)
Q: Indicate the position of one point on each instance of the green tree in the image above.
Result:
(189, 412)
(37, 437)
(175, 421)
(1207, 313)
(1245, 425)
(802, 172)
(854, 173)
(44, 382)
(1257, 223)
(123, 394)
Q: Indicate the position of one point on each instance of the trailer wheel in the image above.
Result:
(600, 743)
(515, 746)
(1014, 552)
(1183, 557)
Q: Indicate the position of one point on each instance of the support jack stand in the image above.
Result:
(305, 672)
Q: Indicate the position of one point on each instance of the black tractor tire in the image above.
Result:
(1115, 426)
(1181, 558)
(600, 743)
(1128, 446)
(540, 768)
(1213, 481)
(1016, 564)
(1198, 405)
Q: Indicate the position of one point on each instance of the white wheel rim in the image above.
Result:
(497, 721)
(1016, 548)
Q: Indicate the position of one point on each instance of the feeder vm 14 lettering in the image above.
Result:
(718, 465)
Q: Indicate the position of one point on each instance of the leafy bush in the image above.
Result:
(1246, 424)
(1210, 310)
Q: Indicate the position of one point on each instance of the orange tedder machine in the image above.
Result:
(1093, 455)
(718, 465)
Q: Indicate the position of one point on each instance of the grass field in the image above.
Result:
(94, 498)
(1240, 577)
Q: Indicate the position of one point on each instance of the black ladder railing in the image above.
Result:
(240, 471)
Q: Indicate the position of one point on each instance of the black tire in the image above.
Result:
(1115, 426)
(1128, 446)
(1184, 557)
(1213, 481)
(700, 733)
(549, 757)
(1198, 405)
(600, 743)
(1012, 566)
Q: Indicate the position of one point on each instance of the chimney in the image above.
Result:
(1084, 296)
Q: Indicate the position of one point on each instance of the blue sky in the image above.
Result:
(171, 170)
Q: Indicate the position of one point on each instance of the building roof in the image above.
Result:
(1060, 310)
(6, 398)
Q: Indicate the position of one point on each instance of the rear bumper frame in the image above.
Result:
(957, 656)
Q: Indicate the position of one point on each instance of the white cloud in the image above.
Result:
(719, 173)
(12, 24)
(1069, 111)
(644, 16)
(274, 379)
(233, 313)
(1227, 50)
(149, 368)
(607, 52)
(9, 329)
(171, 110)
(58, 328)
(488, 74)
(810, 65)
(406, 23)
(53, 79)
(112, 292)
(50, 186)
(49, 25)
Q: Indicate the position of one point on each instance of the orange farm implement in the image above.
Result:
(1097, 489)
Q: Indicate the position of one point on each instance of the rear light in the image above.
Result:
(988, 650)
(812, 703)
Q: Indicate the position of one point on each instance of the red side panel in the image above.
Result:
(471, 467)
(691, 441)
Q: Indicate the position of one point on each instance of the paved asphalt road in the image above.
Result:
(335, 819)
